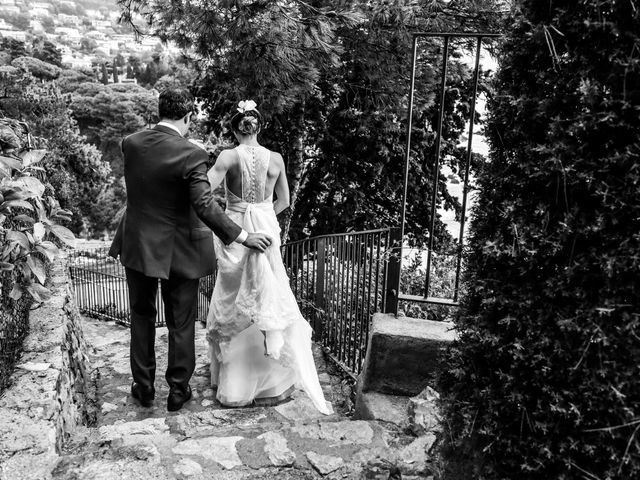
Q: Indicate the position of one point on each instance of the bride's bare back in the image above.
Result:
(229, 166)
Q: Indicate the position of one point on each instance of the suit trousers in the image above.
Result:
(179, 296)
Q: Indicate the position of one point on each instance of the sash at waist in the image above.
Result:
(246, 207)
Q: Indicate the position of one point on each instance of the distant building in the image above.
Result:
(45, 5)
(100, 23)
(19, 35)
(72, 19)
(4, 25)
(108, 47)
(10, 9)
(124, 38)
(94, 14)
(70, 61)
(7, 2)
(68, 3)
(71, 34)
(96, 35)
(39, 12)
(36, 26)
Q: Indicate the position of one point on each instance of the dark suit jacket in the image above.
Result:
(166, 228)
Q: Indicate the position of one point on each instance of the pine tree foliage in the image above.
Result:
(543, 382)
(332, 78)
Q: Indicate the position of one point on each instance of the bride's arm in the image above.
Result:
(281, 188)
(219, 170)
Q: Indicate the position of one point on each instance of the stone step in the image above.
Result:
(341, 449)
(385, 408)
(407, 345)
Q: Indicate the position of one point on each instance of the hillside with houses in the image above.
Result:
(85, 32)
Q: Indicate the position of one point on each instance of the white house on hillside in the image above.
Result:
(10, 9)
(19, 35)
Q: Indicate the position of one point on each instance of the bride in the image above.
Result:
(259, 343)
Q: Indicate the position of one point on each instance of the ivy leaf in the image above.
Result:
(6, 266)
(37, 268)
(13, 194)
(16, 292)
(20, 238)
(23, 218)
(32, 185)
(32, 156)
(63, 234)
(48, 249)
(38, 292)
(38, 232)
(10, 162)
(19, 203)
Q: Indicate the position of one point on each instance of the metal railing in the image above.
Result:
(338, 280)
(100, 287)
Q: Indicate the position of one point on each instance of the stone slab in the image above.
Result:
(408, 345)
(385, 408)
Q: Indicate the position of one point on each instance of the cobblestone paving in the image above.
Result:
(205, 440)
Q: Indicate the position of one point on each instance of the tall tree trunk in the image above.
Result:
(296, 165)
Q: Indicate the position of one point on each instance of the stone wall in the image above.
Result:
(51, 389)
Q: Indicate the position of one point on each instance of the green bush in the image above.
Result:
(543, 382)
(29, 237)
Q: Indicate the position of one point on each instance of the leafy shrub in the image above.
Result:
(441, 285)
(543, 382)
(37, 68)
(28, 216)
(29, 237)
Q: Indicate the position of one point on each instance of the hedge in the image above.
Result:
(544, 382)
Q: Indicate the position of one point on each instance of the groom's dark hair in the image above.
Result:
(175, 103)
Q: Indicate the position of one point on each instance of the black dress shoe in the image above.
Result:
(143, 395)
(177, 398)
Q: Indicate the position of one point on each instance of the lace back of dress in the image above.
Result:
(254, 162)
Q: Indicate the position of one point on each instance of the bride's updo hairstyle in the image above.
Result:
(247, 120)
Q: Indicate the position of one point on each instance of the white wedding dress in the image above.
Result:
(251, 295)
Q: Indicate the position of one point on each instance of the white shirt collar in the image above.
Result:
(168, 125)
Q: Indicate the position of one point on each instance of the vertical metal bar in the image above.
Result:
(319, 290)
(392, 272)
(343, 279)
(343, 254)
(305, 268)
(332, 287)
(393, 307)
(314, 281)
(369, 310)
(359, 300)
(93, 291)
(353, 298)
(436, 162)
(350, 295)
(337, 294)
(465, 187)
(381, 283)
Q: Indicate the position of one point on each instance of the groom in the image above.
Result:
(162, 236)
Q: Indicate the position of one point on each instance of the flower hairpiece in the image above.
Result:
(246, 106)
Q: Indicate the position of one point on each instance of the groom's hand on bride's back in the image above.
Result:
(257, 241)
